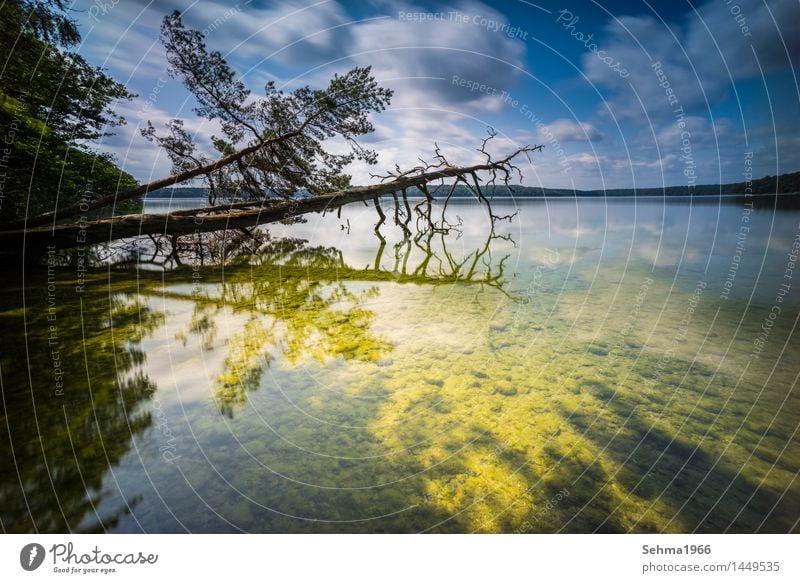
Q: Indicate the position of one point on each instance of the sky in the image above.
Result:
(641, 93)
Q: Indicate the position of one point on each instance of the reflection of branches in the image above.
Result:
(422, 254)
(232, 236)
(313, 323)
(439, 262)
(171, 251)
(298, 304)
(435, 262)
(291, 307)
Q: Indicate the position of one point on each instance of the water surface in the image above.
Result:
(612, 366)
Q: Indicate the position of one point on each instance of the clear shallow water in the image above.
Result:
(584, 370)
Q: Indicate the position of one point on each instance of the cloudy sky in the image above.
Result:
(637, 93)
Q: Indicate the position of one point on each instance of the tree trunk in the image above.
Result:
(196, 221)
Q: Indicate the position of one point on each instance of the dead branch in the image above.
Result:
(223, 218)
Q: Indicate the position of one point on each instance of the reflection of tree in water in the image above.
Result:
(300, 302)
(290, 308)
(57, 448)
(297, 297)
(308, 321)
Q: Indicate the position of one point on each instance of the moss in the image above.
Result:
(506, 390)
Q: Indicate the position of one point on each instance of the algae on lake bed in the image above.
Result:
(583, 380)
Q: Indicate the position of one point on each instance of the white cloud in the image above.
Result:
(700, 57)
(304, 42)
(565, 131)
(138, 156)
(315, 40)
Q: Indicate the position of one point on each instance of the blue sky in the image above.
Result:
(620, 93)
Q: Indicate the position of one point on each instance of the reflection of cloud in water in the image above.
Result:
(362, 392)
(554, 257)
(181, 357)
(666, 255)
(577, 232)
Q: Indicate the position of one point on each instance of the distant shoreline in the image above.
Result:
(783, 184)
(545, 197)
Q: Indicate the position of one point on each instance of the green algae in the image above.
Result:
(557, 397)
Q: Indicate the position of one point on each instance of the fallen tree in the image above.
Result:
(233, 216)
(270, 151)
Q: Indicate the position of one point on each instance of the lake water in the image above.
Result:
(620, 366)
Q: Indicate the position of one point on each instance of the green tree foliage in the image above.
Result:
(292, 126)
(53, 104)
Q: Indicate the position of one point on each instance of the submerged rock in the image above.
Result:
(506, 390)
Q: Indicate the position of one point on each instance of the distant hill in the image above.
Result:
(783, 184)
